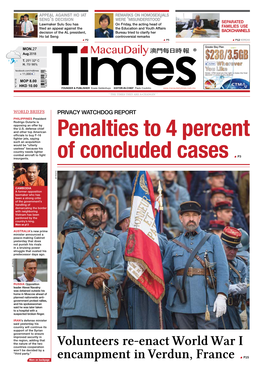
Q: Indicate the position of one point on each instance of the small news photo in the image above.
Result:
(30, 174)
(197, 25)
(25, 25)
(153, 249)
(104, 25)
(29, 270)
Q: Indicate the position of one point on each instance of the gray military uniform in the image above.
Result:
(85, 301)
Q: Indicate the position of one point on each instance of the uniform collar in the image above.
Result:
(233, 262)
(194, 233)
(72, 211)
(173, 186)
(92, 232)
(109, 184)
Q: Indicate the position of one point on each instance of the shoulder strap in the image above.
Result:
(181, 245)
(17, 279)
(190, 259)
(189, 250)
(193, 254)
(89, 249)
(235, 270)
(243, 259)
(168, 207)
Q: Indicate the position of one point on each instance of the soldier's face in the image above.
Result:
(217, 198)
(217, 181)
(97, 191)
(154, 179)
(32, 173)
(169, 175)
(30, 270)
(125, 224)
(105, 175)
(230, 252)
(93, 216)
(229, 199)
(105, 216)
(76, 203)
(225, 215)
(190, 220)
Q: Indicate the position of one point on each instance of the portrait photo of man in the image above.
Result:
(26, 270)
(26, 26)
(29, 175)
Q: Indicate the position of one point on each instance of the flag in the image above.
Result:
(142, 250)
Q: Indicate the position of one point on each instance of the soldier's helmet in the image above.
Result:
(98, 181)
(124, 214)
(88, 202)
(244, 240)
(76, 193)
(72, 223)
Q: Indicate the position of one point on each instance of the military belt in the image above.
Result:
(96, 269)
(89, 250)
(232, 301)
(193, 253)
(193, 271)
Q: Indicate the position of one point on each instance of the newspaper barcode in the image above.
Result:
(43, 78)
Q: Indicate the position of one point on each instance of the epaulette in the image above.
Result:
(72, 232)
(175, 237)
(243, 259)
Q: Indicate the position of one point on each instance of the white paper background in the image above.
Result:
(158, 109)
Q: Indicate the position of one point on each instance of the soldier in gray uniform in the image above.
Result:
(97, 190)
(231, 238)
(175, 194)
(90, 259)
(75, 199)
(106, 219)
(244, 255)
(123, 223)
(193, 297)
(70, 225)
(216, 195)
(226, 212)
(111, 188)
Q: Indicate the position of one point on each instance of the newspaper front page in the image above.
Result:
(117, 115)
